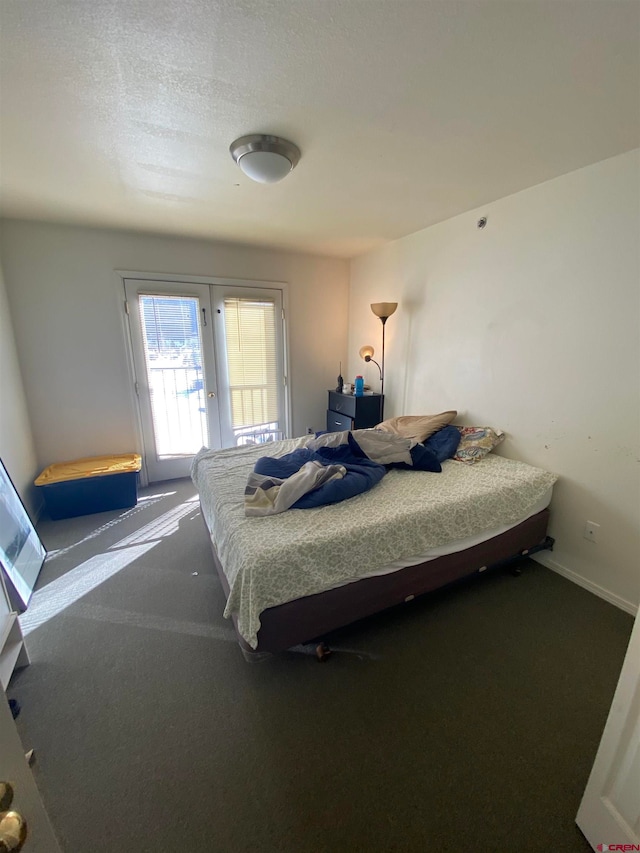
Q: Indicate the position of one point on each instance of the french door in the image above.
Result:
(208, 361)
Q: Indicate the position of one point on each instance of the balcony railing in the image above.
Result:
(178, 409)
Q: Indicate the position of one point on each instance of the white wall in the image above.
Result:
(69, 331)
(531, 325)
(16, 442)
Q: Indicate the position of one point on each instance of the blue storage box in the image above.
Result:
(85, 486)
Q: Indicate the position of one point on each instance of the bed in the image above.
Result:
(294, 577)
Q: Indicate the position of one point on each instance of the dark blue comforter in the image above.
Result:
(362, 474)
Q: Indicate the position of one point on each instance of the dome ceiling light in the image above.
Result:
(263, 158)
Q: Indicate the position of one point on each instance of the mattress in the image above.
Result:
(455, 545)
(269, 561)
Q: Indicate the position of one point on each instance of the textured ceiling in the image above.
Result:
(121, 113)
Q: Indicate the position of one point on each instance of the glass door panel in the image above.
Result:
(250, 360)
(173, 360)
(172, 344)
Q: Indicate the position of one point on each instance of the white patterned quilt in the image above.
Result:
(272, 560)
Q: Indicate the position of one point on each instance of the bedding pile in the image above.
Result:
(272, 560)
(307, 478)
(332, 467)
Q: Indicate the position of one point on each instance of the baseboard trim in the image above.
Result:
(547, 561)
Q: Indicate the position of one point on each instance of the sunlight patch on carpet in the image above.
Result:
(59, 594)
(56, 596)
(153, 622)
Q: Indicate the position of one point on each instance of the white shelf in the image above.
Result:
(13, 651)
(8, 662)
(6, 628)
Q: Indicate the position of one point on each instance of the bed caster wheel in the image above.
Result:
(322, 652)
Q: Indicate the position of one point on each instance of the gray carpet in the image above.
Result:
(467, 720)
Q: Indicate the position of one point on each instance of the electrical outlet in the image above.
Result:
(591, 530)
(310, 430)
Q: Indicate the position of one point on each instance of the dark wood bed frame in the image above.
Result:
(312, 617)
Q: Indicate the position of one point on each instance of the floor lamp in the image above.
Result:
(383, 310)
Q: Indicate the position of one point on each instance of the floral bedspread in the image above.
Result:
(275, 559)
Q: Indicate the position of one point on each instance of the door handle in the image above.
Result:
(13, 827)
(211, 394)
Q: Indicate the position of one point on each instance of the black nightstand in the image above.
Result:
(346, 411)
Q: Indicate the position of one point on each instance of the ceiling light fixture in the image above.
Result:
(263, 158)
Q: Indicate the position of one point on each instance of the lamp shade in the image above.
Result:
(263, 158)
(366, 352)
(383, 309)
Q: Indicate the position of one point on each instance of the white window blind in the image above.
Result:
(252, 361)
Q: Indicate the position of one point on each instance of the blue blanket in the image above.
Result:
(444, 443)
(360, 473)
